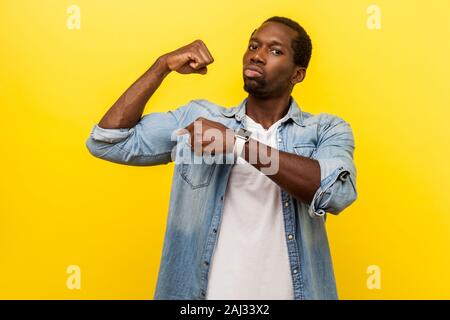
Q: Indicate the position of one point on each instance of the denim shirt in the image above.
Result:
(197, 192)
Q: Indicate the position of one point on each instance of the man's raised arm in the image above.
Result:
(125, 136)
(126, 112)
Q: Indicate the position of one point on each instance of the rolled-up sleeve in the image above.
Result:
(150, 142)
(334, 153)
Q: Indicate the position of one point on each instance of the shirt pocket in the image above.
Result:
(306, 149)
(197, 175)
(193, 169)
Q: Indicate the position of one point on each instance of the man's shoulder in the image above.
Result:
(196, 108)
(323, 119)
(202, 107)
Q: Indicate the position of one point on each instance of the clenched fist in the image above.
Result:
(192, 58)
(207, 136)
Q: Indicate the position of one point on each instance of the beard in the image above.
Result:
(256, 87)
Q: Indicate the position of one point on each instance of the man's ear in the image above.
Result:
(299, 75)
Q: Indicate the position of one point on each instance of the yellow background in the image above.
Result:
(60, 206)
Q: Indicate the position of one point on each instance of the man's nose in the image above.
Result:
(258, 57)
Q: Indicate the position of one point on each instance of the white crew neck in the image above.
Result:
(253, 124)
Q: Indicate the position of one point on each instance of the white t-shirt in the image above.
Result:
(250, 260)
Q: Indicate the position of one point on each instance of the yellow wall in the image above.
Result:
(59, 206)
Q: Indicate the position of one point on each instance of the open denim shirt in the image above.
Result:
(197, 194)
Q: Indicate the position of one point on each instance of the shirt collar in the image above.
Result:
(294, 112)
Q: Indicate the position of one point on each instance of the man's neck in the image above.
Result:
(267, 111)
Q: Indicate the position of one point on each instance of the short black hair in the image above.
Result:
(301, 45)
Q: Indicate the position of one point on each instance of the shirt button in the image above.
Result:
(221, 198)
(203, 293)
(286, 204)
(290, 237)
(279, 140)
(206, 263)
(295, 271)
(214, 230)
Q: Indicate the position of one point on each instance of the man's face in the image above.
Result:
(269, 50)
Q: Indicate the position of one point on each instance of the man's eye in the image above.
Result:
(278, 52)
(253, 46)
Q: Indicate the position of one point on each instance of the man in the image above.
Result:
(233, 231)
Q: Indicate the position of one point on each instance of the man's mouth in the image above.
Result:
(253, 72)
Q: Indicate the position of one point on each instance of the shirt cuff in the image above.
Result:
(330, 171)
(110, 135)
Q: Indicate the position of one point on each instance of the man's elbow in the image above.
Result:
(96, 148)
(341, 201)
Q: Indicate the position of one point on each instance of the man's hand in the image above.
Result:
(208, 136)
(192, 58)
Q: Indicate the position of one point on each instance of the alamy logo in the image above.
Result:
(374, 279)
(73, 282)
(74, 18)
(374, 19)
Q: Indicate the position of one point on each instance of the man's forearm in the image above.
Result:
(299, 176)
(128, 109)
